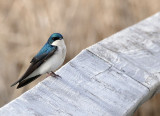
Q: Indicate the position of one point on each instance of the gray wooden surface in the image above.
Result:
(110, 78)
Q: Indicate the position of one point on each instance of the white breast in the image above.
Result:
(54, 62)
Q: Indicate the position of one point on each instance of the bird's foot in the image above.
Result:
(53, 75)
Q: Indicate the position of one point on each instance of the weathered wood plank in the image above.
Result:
(135, 51)
(111, 78)
(89, 86)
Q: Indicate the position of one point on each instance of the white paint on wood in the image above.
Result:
(110, 78)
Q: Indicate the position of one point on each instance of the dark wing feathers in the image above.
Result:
(38, 58)
(41, 57)
(27, 81)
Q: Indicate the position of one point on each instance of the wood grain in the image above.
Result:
(110, 78)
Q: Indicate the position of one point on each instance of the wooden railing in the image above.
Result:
(111, 78)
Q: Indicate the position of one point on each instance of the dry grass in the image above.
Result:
(26, 25)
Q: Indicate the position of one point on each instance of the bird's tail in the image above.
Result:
(27, 81)
(14, 83)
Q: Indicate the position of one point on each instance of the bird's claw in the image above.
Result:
(53, 75)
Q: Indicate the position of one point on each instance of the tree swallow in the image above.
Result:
(48, 59)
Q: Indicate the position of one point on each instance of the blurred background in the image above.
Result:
(25, 26)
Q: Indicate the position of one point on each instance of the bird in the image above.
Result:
(50, 57)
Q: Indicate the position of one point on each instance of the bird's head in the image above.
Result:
(54, 37)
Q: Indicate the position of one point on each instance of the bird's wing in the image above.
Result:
(41, 57)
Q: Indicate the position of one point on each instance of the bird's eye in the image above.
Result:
(55, 38)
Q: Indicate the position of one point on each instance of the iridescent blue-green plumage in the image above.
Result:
(46, 52)
(55, 36)
(47, 48)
